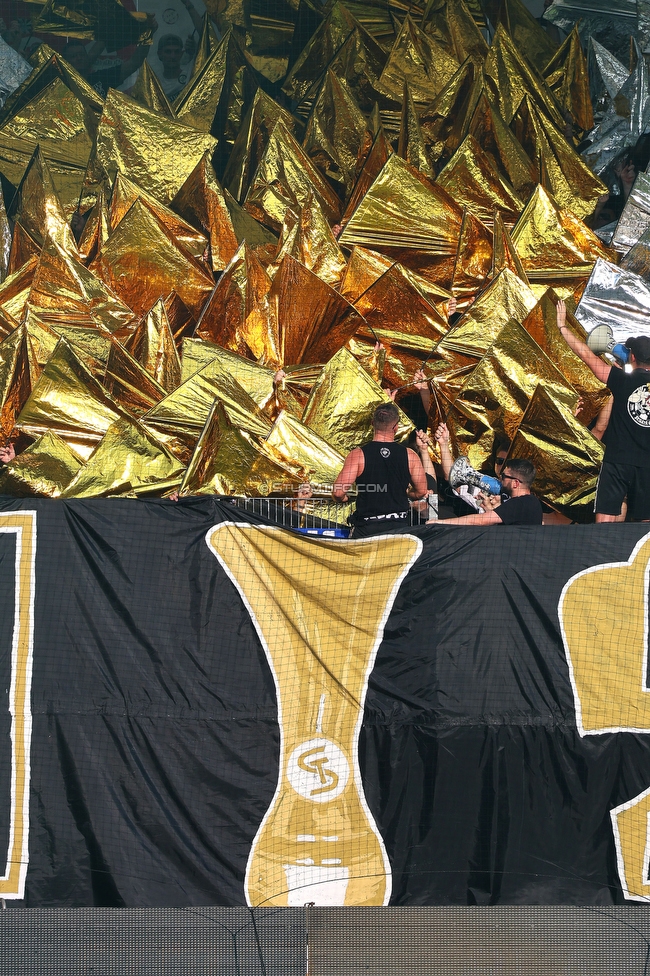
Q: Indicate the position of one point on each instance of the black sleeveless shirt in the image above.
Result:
(383, 482)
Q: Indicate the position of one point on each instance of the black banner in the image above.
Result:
(503, 755)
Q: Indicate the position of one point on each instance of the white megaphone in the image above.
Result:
(462, 473)
(601, 339)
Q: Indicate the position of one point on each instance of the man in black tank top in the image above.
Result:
(387, 475)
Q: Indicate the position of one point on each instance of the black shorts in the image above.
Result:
(618, 480)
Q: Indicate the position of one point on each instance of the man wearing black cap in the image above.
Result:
(626, 466)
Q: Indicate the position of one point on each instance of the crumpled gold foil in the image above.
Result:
(411, 146)
(90, 19)
(319, 50)
(240, 289)
(181, 321)
(302, 451)
(502, 147)
(360, 60)
(130, 383)
(183, 413)
(15, 380)
(64, 292)
(563, 171)
(504, 253)
(214, 97)
(567, 76)
(342, 403)
(227, 462)
(256, 379)
(506, 297)
(362, 269)
(566, 455)
(309, 240)
(125, 193)
(5, 239)
(201, 201)
(552, 243)
(419, 59)
(127, 459)
(15, 289)
(23, 247)
(372, 165)
(510, 78)
(152, 344)
(141, 262)
(454, 23)
(208, 44)
(97, 229)
(394, 303)
(441, 121)
(526, 33)
(542, 326)
(409, 219)
(286, 177)
(154, 152)
(471, 180)
(68, 400)
(248, 148)
(473, 259)
(148, 92)
(335, 132)
(39, 209)
(46, 467)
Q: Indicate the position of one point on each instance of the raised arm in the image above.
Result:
(418, 477)
(600, 369)
(348, 475)
(197, 19)
(447, 461)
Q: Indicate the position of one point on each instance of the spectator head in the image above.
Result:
(385, 417)
(501, 448)
(76, 54)
(170, 52)
(640, 349)
(521, 470)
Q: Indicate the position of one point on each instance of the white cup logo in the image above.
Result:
(318, 770)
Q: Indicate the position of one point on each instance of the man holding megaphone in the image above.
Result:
(520, 507)
(626, 465)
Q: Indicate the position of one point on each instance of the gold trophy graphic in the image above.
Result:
(319, 609)
(603, 613)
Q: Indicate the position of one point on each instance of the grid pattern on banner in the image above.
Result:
(500, 941)
(152, 942)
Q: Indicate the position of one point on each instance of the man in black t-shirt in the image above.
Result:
(520, 507)
(626, 465)
(387, 475)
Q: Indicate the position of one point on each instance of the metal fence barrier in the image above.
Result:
(317, 516)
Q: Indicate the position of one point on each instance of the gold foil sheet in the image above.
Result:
(201, 201)
(15, 380)
(39, 208)
(500, 145)
(510, 78)
(142, 262)
(185, 411)
(22, 248)
(302, 451)
(208, 43)
(216, 88)
(152, 344)
(362, 269)
(97, 229)
(335, 132)
(566, 455)
(566, 175)
(46, 467)
(127, 459)
(248, 149)
(5, 239)
(125, 193)
(407, 218)
(441, 120)
(310, 241)
(542, 326)
(181, 321)
(89, 19)
(48, 66)
(504, 253)
(473, 259)
(286, 177)
(226, 462)
(240, 289)
(552, 243)
(319, 51)
(372, 165)
(454, 23)
(418, 59)
(257, 380)
(527, 34)
(149, 93)
(471, 180)
(394, 303)
(360, 60)
(154, 152)
(506, 297)
(65, 292)
(129, 383)
(411, 146)
(342, 403)
(567, 76)
(68, 400)
(67, 175)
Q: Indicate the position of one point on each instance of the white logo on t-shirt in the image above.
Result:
(385, 451)
(638, 405)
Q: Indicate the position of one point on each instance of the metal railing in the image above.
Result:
(317, 516)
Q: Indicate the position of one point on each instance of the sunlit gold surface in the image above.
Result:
(335, 131)
(152, 344)
(201, 201)
(46, 467)
(417, 58)
(125, 193)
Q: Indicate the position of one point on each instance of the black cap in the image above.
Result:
(639, 346)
